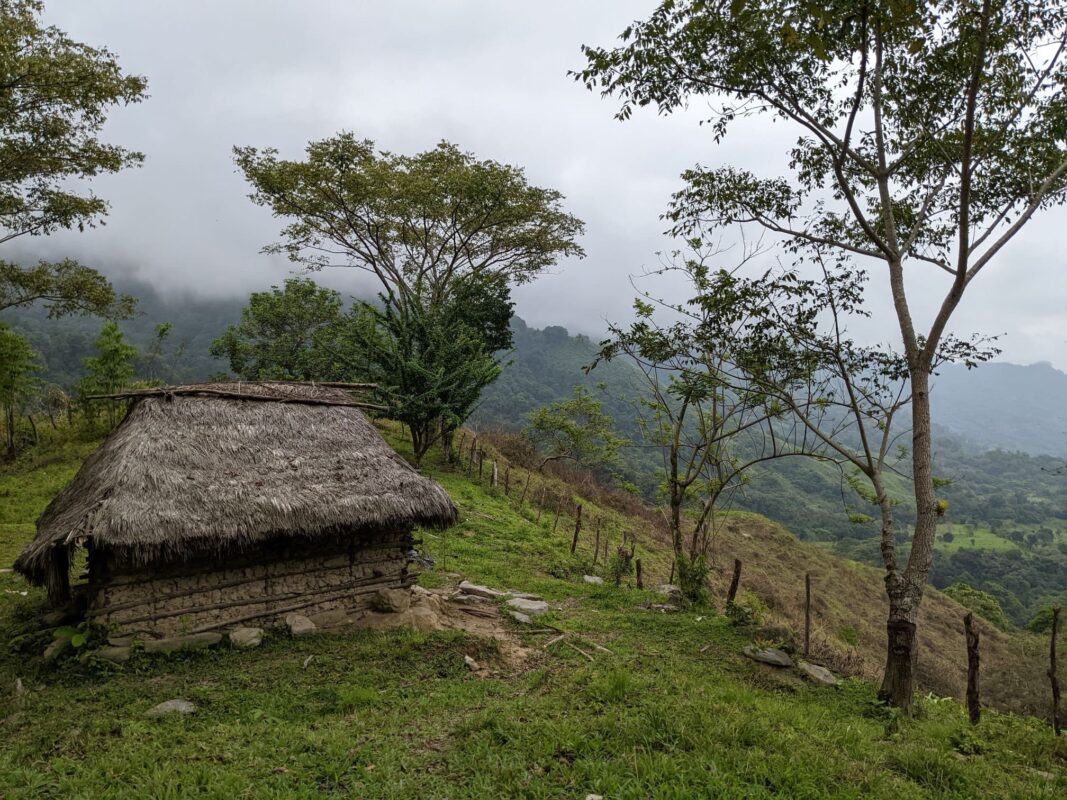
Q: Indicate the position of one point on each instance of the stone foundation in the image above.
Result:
(256, 588)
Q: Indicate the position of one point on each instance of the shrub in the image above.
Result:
(848, 635)
(620, 565)
(693, 579)
(1041, 622)
(981, 603)
(746, 610)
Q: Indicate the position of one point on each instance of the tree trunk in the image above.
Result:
(898, 681)
(447, 435)
(905, 589)
(10, 425)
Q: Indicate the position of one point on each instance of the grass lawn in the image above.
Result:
(984, 539)
(672, 711)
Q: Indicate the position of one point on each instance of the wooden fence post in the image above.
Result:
(807, 615)
(481, 463)
(974, 708)
(507, 480)
(559, 507)
(640, 579)
(596, 543)
(735, 582)
(541, 505)
(492, 476)
(577, 528)
(1052, 676)
(525, 489)
(470, 460)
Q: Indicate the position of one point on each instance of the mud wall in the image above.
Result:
(259, 588)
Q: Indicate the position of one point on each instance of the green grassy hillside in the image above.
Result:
(648, 705)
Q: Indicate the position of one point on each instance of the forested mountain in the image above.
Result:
(1004, 406)
(1005, 530)
(196, 322)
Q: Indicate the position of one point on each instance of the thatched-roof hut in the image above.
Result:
(216, 504)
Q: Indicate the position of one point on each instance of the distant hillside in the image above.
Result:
(62, 344)
(1004, 406)
(1006, 529)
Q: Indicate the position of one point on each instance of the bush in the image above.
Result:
(848, 635)
(981, 603)
(693, 579)
(746, 610)
(1041, 622)
(620, 565)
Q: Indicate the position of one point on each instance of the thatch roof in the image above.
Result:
(189, 473)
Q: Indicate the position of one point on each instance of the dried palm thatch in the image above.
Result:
(194, 471)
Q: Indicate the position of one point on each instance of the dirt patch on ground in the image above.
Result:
(442, 610)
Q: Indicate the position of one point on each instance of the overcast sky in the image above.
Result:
(489, 75)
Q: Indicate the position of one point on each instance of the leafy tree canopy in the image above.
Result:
(430, 365)
(54, 98)
(981, 603)
(419, 223)
(65, 287)
(575, 429)
(288, 333)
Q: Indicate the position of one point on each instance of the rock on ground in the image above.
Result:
(817, 673)
(391, 601)
(175, 706)
(483, 591)
(523, 595)
(662, 608)
(192, 641)
(768, 655)
(530, 607)
(298, 624)
(114, 654)
(518, 616)
(595, 580)
(56, 649)
(246, 637)
(472, 665)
